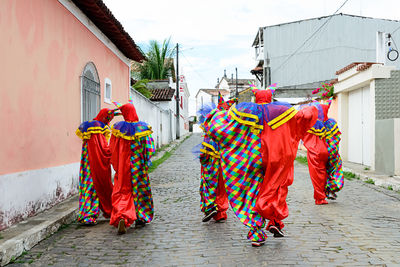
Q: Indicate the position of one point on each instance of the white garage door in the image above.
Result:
(359, 127)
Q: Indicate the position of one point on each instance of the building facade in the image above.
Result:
(368, 97)
(298, 57)
(61, 62)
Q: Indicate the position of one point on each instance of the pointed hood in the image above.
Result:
(105, 115)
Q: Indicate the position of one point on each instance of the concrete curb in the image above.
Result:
(380, 180)
(26, 234)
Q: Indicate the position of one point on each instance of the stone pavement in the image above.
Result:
(360, 228)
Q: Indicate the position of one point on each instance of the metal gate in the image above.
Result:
(90, 96)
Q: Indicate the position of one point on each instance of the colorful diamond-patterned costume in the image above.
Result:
(132, 147)
(241, 164)
(324, 161)
(335, 169)
(212, 187)
(95, 186)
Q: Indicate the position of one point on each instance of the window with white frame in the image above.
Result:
(107, 91)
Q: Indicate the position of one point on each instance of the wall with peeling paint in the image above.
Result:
(43, 51)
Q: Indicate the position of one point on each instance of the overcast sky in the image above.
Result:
(217, 35)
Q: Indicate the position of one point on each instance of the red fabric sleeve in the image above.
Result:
(306, 118)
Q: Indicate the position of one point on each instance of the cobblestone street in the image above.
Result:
(362, 227)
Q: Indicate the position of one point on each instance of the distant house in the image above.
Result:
(205, 96)
(164, 94)
(285, 54)
(232, 84)
(76, 58)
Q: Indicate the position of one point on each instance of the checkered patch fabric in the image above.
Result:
(208, 181)
(335, 169)
(142, 149)
(88, 200)
(241, 165)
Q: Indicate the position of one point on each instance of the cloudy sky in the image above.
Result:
(217, 35)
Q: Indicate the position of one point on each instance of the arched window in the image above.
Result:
(90, 84)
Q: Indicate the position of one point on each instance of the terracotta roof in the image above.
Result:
(164, 94)
(102, 17)
(361, 66)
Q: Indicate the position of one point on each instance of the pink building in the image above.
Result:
(61, 61)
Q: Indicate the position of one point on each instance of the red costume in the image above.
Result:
(283, 127)
(317, 155)
(132, 147)
(95, 186)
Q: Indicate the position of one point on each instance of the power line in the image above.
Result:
(194, 70)
(309, 38)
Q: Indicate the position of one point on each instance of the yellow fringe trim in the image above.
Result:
(283, 118)
(332, 132)
(321, 132)
(93, 130)
(234, 112)
(118, 134)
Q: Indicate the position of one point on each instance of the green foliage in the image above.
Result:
(390, 187)
(156, 163)
(141, 87)
(370, 181)
(349, 175)
(158, 64)
(366, 168)
(302, 160)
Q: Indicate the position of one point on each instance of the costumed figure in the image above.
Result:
(283, 126)
(324, 161)
(213, 197)
(95, 186)
(132, 147)
(236, 135)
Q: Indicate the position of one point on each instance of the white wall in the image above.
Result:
(161, 116)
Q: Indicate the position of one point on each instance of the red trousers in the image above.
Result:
(317, 157)
(279, 147)
(222, 198)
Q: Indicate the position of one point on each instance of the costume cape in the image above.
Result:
(95, 186)
(132, 147)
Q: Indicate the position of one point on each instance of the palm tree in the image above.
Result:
(158, 64)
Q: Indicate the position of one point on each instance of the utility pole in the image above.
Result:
(237, 92)
(177, 92)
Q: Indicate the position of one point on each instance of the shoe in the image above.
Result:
(257, 243)
(276, 231)
(222, 220)
(209, 215)
(321, 202)
(140, 223)
(331, 195)
(121, 227)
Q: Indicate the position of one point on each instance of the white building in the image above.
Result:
(205, 96)
(368, 96)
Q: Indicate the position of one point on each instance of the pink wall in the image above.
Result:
(333, 110)
(43, 51)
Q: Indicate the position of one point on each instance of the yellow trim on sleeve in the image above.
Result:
(283, 118)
